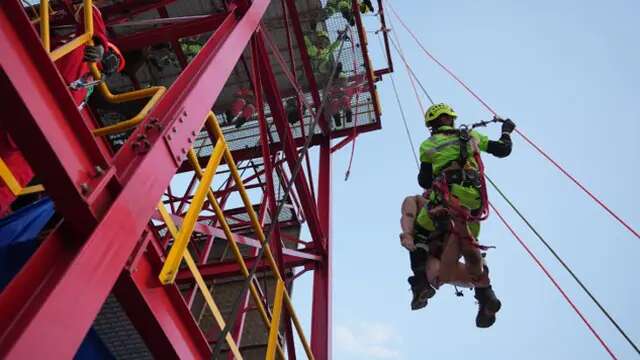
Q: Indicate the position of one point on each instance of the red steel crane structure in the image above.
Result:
(162, 214)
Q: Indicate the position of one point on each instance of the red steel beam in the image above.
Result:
(120, 12)
(321, 306)
(169, 33)
(231, 268)
(60, 145)
(240, 239)
(159, 312)
(365, 56)
(51, 303)
(283, 128)
(306, 61)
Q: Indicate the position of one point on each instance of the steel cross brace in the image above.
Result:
(51, 303)
(274, 100)
(169, 33)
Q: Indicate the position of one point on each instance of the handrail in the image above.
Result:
(12, 183)
(179, 249)
(191, 264)
(276, 314)
(155, 92)
(71, 45)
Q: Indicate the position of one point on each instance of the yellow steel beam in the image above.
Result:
(276, 314)
(12, 183)
(171, 265)
(193, 159)
(215, 128)
(200, 282)
(73, 44)
(155, 92)
(9, 179)
(44, 25)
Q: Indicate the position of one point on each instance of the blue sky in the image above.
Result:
(567, 73)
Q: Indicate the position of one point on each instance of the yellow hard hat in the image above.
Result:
(436, 110)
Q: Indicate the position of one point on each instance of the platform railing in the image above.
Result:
(179, 250)
(154, 92)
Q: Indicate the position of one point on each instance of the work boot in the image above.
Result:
(240, 121)
(349, 116)
(337, 118)
(488, 306)
(422, 292)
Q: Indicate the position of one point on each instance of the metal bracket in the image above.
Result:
(179, 139)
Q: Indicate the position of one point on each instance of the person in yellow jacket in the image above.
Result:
(344, 7)
(447, 156)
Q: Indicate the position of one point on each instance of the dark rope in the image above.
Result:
(566, 267)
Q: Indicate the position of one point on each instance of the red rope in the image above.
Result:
(575, 181)
(355, 113)
(555, 283)
(544, 154)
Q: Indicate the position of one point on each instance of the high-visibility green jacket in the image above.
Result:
(441, 149)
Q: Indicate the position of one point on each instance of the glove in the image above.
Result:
(406, 240)
(110, 63)
(508, 126)
(93, 53)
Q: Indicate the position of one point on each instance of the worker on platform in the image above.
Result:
(342, 92)
(292, 109)
(450, 172)
(344, 7)
(320, 50)
(74, 66)
(242, 109)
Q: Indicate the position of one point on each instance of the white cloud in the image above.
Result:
(368, 340)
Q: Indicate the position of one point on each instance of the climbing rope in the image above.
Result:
(402, 115)
(553, 280)
(531, 254)
(355, 114)
(398, 48)
(410, 70)
(564, 264)
(527, 139)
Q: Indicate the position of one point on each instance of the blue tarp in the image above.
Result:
(18, 241)
(18, 237)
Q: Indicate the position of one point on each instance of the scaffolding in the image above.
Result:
(169, 211)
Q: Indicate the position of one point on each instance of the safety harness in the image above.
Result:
(458, 172)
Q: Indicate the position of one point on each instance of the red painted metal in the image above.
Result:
(286, 137)
(175, 334)
(111, 238)
(231, 268)
(321, 306)
(306, 60)
(170, 32)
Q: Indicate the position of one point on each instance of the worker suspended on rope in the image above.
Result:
(242, 109)
(451, 171)
(74, 66)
